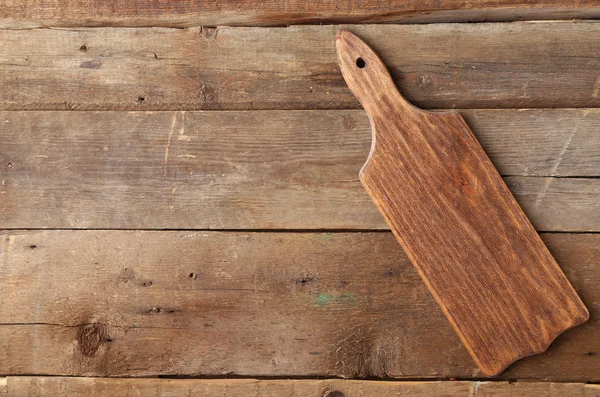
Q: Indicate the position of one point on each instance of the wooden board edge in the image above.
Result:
(41, 386)
(30, 16)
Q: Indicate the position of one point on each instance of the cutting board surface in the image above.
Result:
(446, 204)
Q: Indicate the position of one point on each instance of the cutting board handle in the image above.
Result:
(367, 76)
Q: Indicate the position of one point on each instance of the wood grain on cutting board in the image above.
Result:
(481, 258)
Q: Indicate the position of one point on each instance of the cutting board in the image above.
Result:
(446, 204)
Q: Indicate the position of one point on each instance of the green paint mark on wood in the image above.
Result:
(323, 299)
(325, 236)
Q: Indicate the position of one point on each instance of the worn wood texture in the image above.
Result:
(496, 65)
(98, 387)
(449, 208)
(32, 13)
(263, 169)
(136, 303)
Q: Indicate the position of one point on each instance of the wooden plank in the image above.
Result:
(135, 303)
(504, 65)
(53, 13)
(538, 142)
(99, 387)
(462, 229)
(262, 169)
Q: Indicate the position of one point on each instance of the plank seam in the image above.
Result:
(307, 377)
(297, 231)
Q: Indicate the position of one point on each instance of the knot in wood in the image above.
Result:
(90, 337)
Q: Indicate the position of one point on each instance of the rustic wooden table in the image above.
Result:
(180, 201)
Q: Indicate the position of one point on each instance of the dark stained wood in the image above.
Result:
(133, 303)
(496, 65)
(263, 169)
(27, 14)
(447, 205)
(98, 387)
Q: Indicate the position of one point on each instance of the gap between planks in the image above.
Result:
(297, 231)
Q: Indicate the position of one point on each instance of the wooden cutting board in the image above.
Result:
(446, 204)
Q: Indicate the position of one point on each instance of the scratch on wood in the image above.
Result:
(543, 192)
(166, 162)
(549, 181)
(474, 388)
(563, 151)
(182, 136)
(168, 146)
(6, 242)
(194, 235)
(596, 90)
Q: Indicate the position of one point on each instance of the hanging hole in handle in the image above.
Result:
(360, 63)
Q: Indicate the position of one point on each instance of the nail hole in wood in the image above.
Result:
(360, 63)
(193, 276)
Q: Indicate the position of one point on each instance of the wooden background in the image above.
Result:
(181, 203)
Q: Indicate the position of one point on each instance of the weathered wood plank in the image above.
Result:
(262, 169)
(133, 303)
(504, 65)
(101, 387)
(539, 142)
(27, 14)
